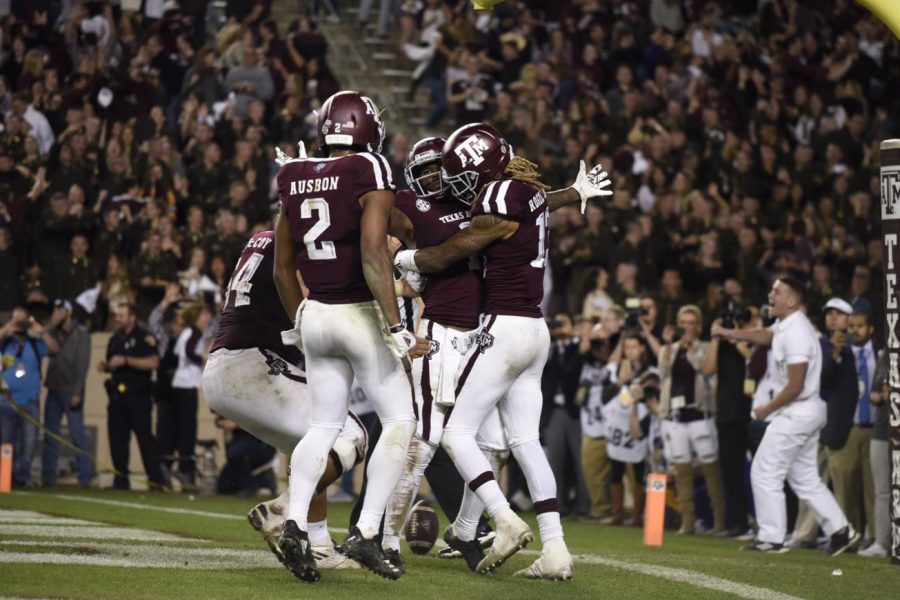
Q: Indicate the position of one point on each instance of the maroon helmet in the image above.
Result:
(423, 153)
(474, 155)
(350, 119)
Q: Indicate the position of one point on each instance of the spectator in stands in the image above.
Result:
(23, 343)
(66, 378)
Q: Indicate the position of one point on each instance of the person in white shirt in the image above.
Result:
(40, 126)
(788, 448)
(176, 426)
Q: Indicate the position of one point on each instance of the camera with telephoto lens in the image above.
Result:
(734, 314)
(634, 312)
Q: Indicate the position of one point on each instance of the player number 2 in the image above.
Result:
(240, 282)
(326, 251)
(543, 251)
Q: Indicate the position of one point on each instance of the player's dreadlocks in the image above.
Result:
(522, 169)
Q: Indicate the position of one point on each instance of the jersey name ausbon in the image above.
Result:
(321, 199)
(514, 267)
(453, 296)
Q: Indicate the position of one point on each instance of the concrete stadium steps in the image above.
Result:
(362, 60)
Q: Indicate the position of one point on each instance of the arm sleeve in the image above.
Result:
(155, 325)
(796, 349)
(146, 346)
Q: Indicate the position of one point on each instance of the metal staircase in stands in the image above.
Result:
(363, 61)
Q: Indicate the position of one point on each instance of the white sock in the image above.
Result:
(400, 504)
(470, 511)
(385, 467)
(550, 526)
(390, 541)
(318, 531)
(492, 497)
(308, 462)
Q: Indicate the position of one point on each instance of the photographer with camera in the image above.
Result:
(687, 408)
(561, 428)
(595, 348)
(23, 344)
(728, 362)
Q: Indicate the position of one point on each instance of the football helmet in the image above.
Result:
(423, 153)
(350, 119)
(474, 155)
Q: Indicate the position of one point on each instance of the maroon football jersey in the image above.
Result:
(452, 297)
(514, 267)
(254, 316)
(321, 198)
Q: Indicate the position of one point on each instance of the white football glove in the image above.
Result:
(405, 260)
(292, 337)
(281, 157)
(401, 343)
(416, 281)
(591, 184)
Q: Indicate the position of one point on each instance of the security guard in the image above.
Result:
(131, 358)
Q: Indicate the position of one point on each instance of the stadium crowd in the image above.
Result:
(137, 154)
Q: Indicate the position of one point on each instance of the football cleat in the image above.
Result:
(486, 539)
(470, 550)
(329, 558)
(267, 518)
(393, 557)
(297, 552)
(555, 563)
(369, 554)
(842, 541)
(513, 534)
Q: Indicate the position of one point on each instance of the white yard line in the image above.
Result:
(695, 578)
(148, 561)
(98, 533)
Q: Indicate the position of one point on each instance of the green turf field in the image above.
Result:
(126, 546)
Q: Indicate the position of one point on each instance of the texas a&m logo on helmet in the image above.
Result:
(350, 119)
(475, 155)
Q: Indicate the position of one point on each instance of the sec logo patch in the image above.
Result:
(423, 205)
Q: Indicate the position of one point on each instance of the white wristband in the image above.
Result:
(406, 260)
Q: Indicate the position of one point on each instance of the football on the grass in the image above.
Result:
(422, 527)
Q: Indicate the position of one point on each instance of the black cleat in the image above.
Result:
(472, 550)
(297, 552)
(369, 554)
(842, 541)
(393, 557)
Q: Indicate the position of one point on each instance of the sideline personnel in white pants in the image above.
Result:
(788, 448)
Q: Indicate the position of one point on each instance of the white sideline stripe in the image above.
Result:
(100, 533)
(150, 562)
(695, 578)
(47, 520)
(250, 559)
(119, 503)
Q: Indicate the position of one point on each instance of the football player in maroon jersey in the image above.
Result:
(426, 215)
(503, 366)
(333, 229)
(253, 379)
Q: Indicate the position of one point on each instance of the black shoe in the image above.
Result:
(766, 547)
(369, 554)
(842, 541)
(297, 553)
(393, 557)
(471, 550)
